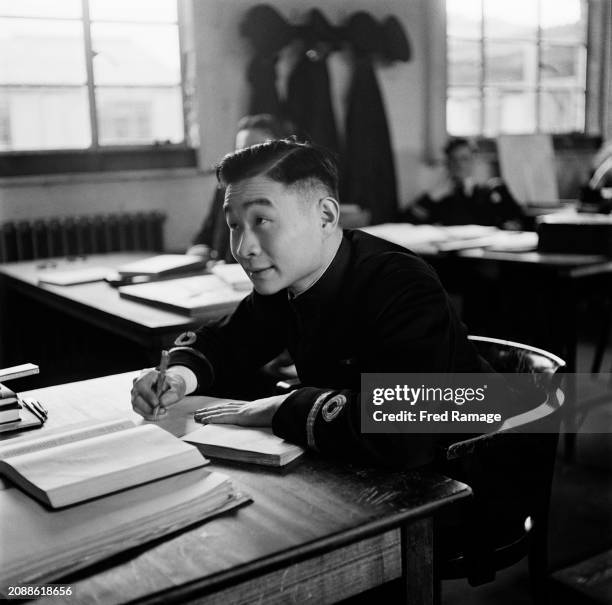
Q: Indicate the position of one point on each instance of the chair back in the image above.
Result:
(510, 471)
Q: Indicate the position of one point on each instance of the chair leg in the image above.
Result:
(538, 564)
(602, 341)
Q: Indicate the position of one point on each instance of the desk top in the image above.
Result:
(96, 297)
(302, 511)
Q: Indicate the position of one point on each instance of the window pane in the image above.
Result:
(562, 110)
(511, 62)
(135, 54)
(509, 111)
(564, 20)
(511, 18)
(463, 109)
(133, 10)
(41, 52)
(39, 117)
(463, 18)
(463, 63)
(41, 8)
(563, 65)
(139, 116)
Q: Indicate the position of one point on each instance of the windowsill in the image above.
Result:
(98, 161)
(102, 177)
(561, 142)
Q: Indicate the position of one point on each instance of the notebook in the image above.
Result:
(163, 264)
(198, 296)
(242, 444)
(72, 277)
(95, 460)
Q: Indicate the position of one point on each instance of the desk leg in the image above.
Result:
(417, 562)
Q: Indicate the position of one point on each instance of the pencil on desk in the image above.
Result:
(161, 377)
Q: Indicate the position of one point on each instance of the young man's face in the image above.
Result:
(275, 233)
(461, 162)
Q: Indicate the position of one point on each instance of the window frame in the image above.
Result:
(482, 87)
(97, 157)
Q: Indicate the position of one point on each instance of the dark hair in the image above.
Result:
(285, 161)
(457, 142)
(278, 128)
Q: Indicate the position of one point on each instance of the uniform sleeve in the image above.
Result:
(224, 354)
(413, 330)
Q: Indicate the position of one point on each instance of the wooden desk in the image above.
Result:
(137, 330)
(315, 533)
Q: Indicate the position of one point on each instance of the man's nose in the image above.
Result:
(248, 244)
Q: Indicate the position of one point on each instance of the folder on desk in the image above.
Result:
(198, 296)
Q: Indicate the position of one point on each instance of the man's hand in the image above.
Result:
(249, 413)
(144, 397)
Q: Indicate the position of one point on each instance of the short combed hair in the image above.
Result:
(285, 161)
(457, 142)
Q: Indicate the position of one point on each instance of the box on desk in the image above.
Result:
(576, 234)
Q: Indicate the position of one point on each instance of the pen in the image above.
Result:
(39, 406)
(28, 406)
(161, 378)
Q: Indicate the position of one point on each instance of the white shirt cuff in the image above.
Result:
(187, 375)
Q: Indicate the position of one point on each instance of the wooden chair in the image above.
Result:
(510, 472)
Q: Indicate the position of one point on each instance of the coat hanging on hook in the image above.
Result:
(368, 177)
(309, 102)
(268, 32)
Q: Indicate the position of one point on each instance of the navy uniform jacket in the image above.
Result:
(377, 308)
(489, 204)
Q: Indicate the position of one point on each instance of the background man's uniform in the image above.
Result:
(480, 204)
(377, 308)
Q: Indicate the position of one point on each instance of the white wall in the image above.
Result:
(181, 194)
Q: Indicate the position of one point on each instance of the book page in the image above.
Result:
(63, 436)
(74, 472)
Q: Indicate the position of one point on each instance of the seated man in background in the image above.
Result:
(459, 200)
(212, 240)
(342, 303)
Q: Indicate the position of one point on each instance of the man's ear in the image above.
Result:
(329, 212)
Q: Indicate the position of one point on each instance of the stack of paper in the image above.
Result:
(45, 545)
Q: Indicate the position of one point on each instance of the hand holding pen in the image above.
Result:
(157, 388)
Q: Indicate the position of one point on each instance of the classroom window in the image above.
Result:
(89, 74)
(516, 66)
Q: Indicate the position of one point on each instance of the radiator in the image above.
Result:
(80, 235)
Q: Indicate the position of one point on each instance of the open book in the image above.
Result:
(233, 275)
(92, 461)
(256, 445)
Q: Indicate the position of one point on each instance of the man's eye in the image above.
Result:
(260, 220)
(232, 226)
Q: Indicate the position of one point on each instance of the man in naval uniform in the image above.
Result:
(342, 303)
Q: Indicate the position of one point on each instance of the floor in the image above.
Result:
(581, 506)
